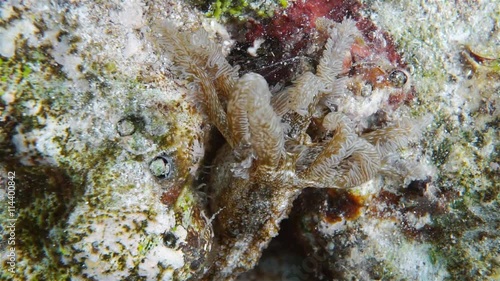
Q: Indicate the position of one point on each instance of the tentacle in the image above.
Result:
(266, 131)
(338, 45)
(200, 60)
(362, 165)
(301, 102)
(335, 151)
(238, 116)
(388, 140)
(346, 160)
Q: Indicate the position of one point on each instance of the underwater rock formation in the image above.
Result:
(115, 161)
(85, 112)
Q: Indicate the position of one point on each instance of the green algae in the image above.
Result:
(46, 197)
(45, 194)
(48, 194)
(242, 8)
(79, 184)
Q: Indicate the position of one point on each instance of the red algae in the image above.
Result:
(170, 196)
(292, 44)
(342, 205)
(300, 18)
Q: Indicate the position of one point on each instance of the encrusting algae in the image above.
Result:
(277, 144)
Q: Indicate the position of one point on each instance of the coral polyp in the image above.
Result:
(276, 144)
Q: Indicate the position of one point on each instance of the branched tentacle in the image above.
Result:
(212, 105)
(301, 102)
(200, 60)
(304, 93)
(209, 55)
(346, 160)
(362, 165)
(338, 45)
(389, 139)
(298, 103)
(238, 116)
(266, 133)
(337, 149)
(257, 176)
